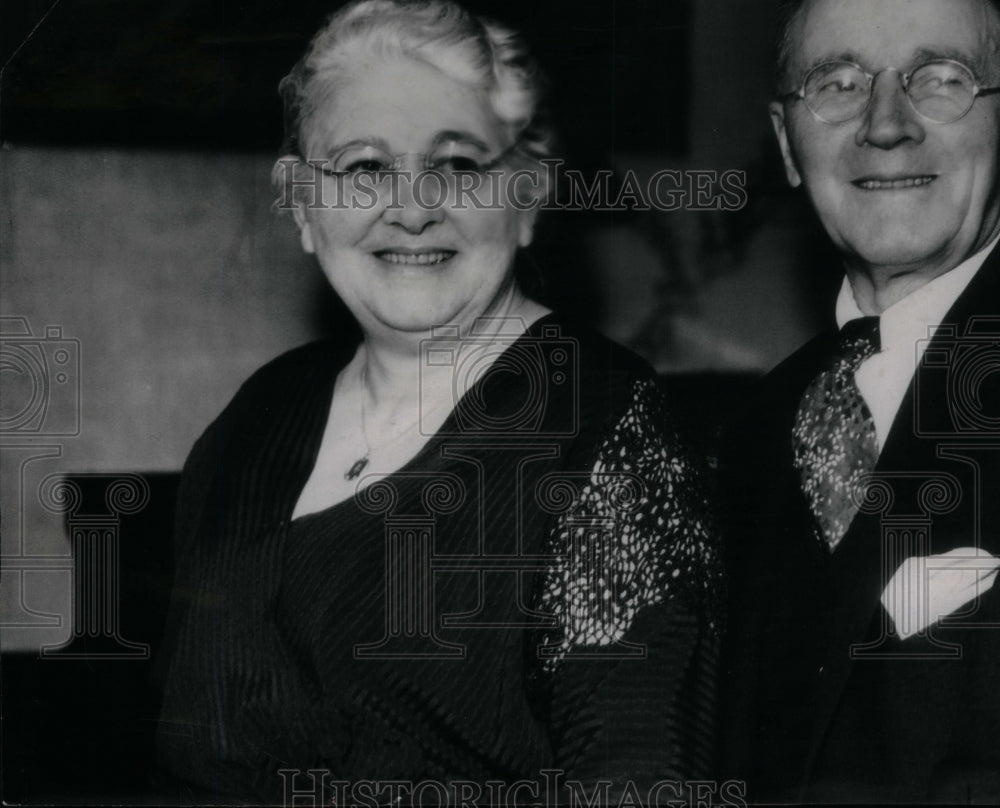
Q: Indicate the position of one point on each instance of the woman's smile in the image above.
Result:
(415, 257)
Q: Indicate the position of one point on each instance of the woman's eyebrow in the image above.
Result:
(377, 142)
(465, 137)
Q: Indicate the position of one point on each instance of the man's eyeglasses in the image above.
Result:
(941, 91)
(450, 158)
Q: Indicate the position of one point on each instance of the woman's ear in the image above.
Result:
(526, 226)
(305, 231)
(530, 190)
(283, 177)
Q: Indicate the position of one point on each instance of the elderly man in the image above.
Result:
(864, 484)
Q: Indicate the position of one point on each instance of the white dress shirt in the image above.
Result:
(905, 329)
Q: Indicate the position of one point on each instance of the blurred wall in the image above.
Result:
(717, 290)
(171, 271)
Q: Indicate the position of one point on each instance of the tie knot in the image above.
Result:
(859, 339)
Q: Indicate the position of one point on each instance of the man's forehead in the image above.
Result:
(893, 33)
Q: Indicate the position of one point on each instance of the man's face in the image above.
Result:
(897, 193)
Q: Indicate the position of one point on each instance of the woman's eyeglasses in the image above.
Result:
(449, 159)
(941, 91)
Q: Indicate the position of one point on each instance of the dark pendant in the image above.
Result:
(355, 471)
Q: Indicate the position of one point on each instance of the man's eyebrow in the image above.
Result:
(927, 54)
(920, 55)
(845, 56)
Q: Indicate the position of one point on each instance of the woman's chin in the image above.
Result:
(416, 319)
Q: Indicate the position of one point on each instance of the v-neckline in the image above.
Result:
(446, 428)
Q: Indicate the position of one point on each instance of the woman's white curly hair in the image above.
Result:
(477, 52)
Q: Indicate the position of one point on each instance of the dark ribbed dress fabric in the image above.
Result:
(563, 549)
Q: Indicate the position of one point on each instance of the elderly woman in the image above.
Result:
(468, 554)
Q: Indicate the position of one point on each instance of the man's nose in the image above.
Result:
(890, 119)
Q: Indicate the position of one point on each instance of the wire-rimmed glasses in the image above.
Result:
(940, 91)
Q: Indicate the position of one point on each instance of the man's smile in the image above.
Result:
(893, 183)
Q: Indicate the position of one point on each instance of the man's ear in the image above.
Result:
(780, 131)
(305, 231)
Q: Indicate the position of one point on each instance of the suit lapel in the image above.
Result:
(857, 563)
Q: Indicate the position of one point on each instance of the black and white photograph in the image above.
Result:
(558, 403)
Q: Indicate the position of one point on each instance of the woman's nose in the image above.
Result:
(890, 118)
(415, 198)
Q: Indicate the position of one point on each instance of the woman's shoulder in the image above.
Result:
(603, 376)
(295, 377)
(300, 369)
(319, 357)
(595, 353)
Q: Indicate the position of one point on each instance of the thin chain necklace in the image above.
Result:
(361, 463)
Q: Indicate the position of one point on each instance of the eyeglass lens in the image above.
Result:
(941, 91)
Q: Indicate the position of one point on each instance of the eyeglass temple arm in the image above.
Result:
(987, 91)
(799, 94)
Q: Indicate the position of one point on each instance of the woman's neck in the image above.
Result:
(394, 372)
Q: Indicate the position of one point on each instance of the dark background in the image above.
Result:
(190, 74)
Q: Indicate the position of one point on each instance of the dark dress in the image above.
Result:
(537, 589)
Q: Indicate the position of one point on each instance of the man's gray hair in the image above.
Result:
(788, 13)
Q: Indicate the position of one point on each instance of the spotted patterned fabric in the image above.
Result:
(634, 537)
(834, 438)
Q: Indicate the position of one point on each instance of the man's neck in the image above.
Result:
(876, 289)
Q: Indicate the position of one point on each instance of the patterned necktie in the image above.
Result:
(834, 438)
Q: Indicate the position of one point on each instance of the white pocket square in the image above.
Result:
(926, 588)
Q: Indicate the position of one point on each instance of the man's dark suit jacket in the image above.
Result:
(825, 703)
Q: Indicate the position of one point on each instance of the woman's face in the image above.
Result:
(401, 262)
